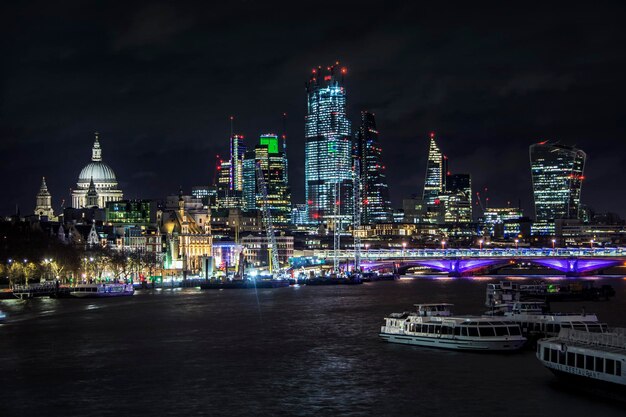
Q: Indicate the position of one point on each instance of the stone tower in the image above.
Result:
(44, 202)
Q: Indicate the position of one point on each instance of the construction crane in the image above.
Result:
(267, 221)
(356, 217)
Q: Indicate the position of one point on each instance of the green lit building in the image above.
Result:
(130, 212)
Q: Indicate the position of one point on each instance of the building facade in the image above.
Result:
(273, 164)
(328, 148)
(557, 177)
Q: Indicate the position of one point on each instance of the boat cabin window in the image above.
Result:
(599, 364)
(610, 366)
(464, 331)
(589, 363)
(594, 328)
(501, 331)
(514, 331)
(487, 331)
(546, 354)
(580, 360)
(472, 331)
(618, 368)
(571, 359)
(457, 331)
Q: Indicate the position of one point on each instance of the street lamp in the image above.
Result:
(480, 243)
(443, 245)
(403, 248)
(553, 243)
(367, 249)
(591, 244)
(516, 243)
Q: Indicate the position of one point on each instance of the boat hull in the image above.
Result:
(455, 344)
(101, 295)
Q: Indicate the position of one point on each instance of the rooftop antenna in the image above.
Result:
(284, 136)
(232, 125)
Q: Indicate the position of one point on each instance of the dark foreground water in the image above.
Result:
(287, 351)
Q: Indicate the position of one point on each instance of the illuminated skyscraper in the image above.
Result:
(458, 199)
(434, 184)
(328, 148)
(237, 150)
(376, 206)
(273, 163)
(557, 175)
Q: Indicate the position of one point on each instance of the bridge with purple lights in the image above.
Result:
(458, 262)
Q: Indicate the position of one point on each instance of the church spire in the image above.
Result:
(96, 151)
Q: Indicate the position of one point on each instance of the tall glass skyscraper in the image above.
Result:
(557, 176)
(376, 206)
(436, 168)
(237, 150)
(328, 148)
(273, 163)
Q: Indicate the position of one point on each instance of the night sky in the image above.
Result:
(160, 80)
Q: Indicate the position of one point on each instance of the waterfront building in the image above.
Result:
(103, 178)
(328, 148)
(557, 177)
(256, 250)
(376, 205)
(187, 232)
(43, 208)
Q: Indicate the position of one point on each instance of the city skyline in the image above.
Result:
(556, 98)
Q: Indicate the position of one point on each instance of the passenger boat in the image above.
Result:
(102, 290)
(586, 358)
(433, 325)
(536, 321)
(2, 316)
(506, 292)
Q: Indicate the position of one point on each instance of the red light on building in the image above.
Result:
(310, 202)
(432, 134)
(327, 78)
(314, 71)
(582, 177)
(316, 216)
(543, 143)
(344, 70)
(437, 201)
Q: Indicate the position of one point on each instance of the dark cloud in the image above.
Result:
(159, 80)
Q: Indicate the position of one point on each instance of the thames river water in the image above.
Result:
(286, 351)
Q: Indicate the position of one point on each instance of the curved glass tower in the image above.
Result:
(328, 148)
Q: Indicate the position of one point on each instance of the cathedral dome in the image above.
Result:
(99, 171)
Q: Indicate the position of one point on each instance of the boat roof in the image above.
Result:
(434, 305)
(612, 341)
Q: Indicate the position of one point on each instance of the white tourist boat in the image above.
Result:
(2, 316)
(536, 321)
(102, 290)
(433, 325)
(583, 357)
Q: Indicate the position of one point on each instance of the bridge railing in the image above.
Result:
(378, 254)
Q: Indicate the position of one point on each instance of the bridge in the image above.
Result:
(457, 262)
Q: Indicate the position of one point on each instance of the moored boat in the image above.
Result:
(586, 358)
(433, 325)
(101, 290)
(536, 321)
